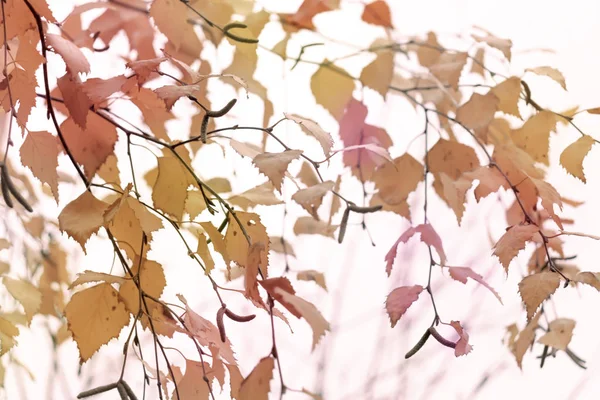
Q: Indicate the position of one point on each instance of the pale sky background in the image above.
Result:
(365, 349)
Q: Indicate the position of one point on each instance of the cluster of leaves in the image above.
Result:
(491, 135)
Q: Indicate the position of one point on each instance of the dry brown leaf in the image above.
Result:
(551, 73)
(508, 93)
(478, 112)
(513, 241)
(256, 386)
(311, 198)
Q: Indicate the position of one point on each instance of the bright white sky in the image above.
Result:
(365, 347)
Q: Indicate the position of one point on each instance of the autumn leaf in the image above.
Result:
(309, 312)
(448, 68)
(310, 226)
(525, 339)
(170, 189)
(39, 152)
(8, 334)
(572, 157)
(332, 88)
(260, 195)
(551, 73)
(534, 135)
(560, 332)
(171, 93)
(95, 316)
(256, 386)
(204, 253)
(74, 58)
(236, 243)
(461, 274)
(311, 198)
(312, 275)
(508, 93)
(282, 246)
(377, 13)
(378, 74)
(513, 241)
(93, 276)
(504, 45)
(92, 146)
(589, 278)
(82, 217)
(355, 132)
(150, 279)
(534, 289)
(454, 192)
(303, 17)
(25, 293)
(275, 165)
(399, 300)
(191, 385)
(74, 98)
(170, 17)
(312, 128)
(284, 284)
(478, 112)
(98, 90)
(428, 236)
(462, 346)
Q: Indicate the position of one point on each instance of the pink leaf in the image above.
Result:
(400, 299)
(428, 236)
(462, 273)
(462, 346)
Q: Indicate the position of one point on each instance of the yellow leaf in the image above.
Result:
(429, 52)
(551, 73)
(379, 73)
(312, 275)
(549, 197)
(572, 157)
(194, 203)
(204, 253)
(25, 293)
(237, 245)
(332, 88)
(8, 332)
(311, 198)
(151, 279)
(217, 240)
(534, 289)
(95, 316)
(559, 334)
(534, 135)
(309, 312)
(109, 171)
(256, 386)
(478, 112)
(82, 217)
(39, 152)
(275, 165)
(170, 189)
(508, 93)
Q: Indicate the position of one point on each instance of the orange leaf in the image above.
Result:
(534, 289)
(572, 157)
(283, 284)
(377, 13)
(39, 152)
(275, 165)
(75, 98)
(513, 241)
(82, 217)
(257, 385)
